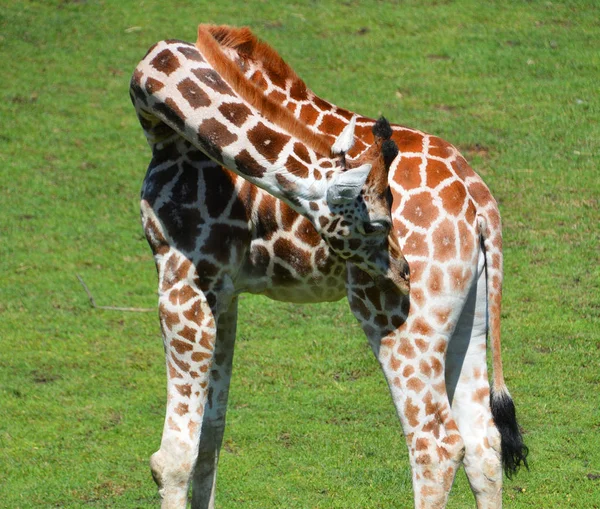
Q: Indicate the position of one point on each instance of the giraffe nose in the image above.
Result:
(379, 226)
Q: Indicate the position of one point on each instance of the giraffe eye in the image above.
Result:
(379, 226)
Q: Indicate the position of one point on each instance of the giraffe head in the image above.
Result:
(358, 224)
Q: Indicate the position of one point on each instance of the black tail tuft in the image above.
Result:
(514, 451)
(382, 129)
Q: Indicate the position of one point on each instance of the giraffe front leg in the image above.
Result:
(213, 424)
(411, 352)
(189, 332)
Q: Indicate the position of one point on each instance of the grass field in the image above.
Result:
(513, 84)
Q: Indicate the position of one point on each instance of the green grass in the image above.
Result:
(514, 84)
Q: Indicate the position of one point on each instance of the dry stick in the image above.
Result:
(110, 308)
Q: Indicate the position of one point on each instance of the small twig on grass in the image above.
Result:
(110, 308)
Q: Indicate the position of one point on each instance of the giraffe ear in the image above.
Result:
(346, 186)
(345, 141)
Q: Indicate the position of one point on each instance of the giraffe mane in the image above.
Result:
(210, 40)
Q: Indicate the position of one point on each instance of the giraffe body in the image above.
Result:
(215, 235)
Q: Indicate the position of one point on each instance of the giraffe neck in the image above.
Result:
(195, 102)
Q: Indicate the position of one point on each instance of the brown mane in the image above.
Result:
(210, 40)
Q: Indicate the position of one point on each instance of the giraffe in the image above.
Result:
(215, 235)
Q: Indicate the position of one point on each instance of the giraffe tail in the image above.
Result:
(514, 451)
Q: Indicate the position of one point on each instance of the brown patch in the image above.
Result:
(298, 91)
(169, 318)
(481, 395)
(439, 148)
(479, 191)
(152, 85)
(193, 94)
(414, 384)
(165, 62)
(321, 104)
(188, 333)
(191, 53)
(308, 114)
(430, 491)
(296, 168)
(307, 233)
(432, 427)
(449, 478)
(182, 365)
(437, 172)
(201, 356)
(411, 412)
(420, 210)
(268, 143)
(277, 96)
(420, 326)
(453, 197)
(247, 165)
(422, 345)
(301, 151)
(185, 390)
(444, 241)
(211, 78)
(297, 258)
(407, 173)
(236, 113)
(408, 141)
(435, 283)
(406, 350)
(216, 134)
(422, 444)
(193, 426)
(288, 217)
(332, 125)
(425, 369)
(408, 371)
(416, 245)
(179, 296)
(173, 373)
(493, 219)
(442, 453)
(394, 363)
(441, 315)
(417, 297)
(451, 439)
(182, 409)
(466, 241)
(437, 367)
(440, 346)
(207, 341)
(471, 212)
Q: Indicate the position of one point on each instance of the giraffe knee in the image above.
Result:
(167, 473)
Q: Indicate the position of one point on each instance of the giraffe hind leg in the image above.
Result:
(469, 392)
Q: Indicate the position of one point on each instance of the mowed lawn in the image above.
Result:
(82, 391)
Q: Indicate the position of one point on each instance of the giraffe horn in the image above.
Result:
(345, 141)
